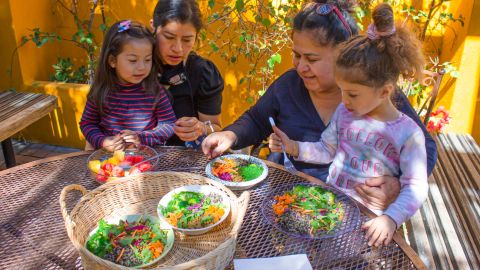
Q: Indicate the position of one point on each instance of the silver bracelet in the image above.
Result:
(208, 124)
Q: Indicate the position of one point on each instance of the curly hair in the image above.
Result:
(384, 57)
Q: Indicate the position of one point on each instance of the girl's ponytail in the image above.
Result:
(384, 53)
(400, 43)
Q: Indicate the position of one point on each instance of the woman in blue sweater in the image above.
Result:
(303, 99)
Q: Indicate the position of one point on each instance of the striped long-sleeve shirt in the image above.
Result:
(130, 107)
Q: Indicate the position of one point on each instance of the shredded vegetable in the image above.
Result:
(128, 244)
(308, 210)
(193, 210)
(229, 169)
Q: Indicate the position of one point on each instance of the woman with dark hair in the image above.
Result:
(302, 100)
(194, 83)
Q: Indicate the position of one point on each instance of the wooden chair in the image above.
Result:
(445, 232)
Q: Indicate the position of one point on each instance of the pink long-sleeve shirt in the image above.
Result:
(361, 147)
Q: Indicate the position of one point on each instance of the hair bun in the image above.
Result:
(383, 17)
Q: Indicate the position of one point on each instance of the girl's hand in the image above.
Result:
(380, 230)
(130, 136)
(379, 192)
(216, 143)
(279, 138)
(113, 143)
(189, 128)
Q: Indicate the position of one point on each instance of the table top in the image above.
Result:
(29, 201)
(20, 109)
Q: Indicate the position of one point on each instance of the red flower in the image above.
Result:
(439, 119)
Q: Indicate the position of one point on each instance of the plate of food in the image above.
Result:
(237, 171)
(107, 166)
(310, 211)
(194, 209)
(136, 241)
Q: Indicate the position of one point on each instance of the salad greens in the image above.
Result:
(236, 170)
(193, 210)
(308, 209)
(128, 244)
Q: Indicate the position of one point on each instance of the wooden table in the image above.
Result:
(18, 111)
(33, 234)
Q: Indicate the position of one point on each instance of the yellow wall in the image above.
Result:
(61, 126)
(461, 46)
(33, 64)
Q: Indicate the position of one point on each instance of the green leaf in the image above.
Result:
(214, 46)
(211, 3)
(239, 5)
(233, 59)
(266, 22)
(250, 100)
(274, 59)
(103, 27)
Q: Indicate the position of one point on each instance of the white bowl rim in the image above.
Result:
(195, 188)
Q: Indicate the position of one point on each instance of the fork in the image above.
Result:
(287, 163)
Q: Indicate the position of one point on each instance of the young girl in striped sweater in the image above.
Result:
(126, 105)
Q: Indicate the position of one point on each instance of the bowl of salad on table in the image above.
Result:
(194, 209)
(237, 171)
(310, 211)
(136, 241)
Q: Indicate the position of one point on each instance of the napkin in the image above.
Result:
(290, 262)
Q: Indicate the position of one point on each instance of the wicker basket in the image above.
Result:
(140, 195)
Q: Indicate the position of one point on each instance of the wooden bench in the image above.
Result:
(446, 231)
(19, 110)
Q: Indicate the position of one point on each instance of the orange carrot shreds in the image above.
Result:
(173, 218)
(227, 165)
(121, 254)
(285, 198)
(156, 248)
(215, 211)
(279, 209)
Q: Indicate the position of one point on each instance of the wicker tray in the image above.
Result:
(140, 195)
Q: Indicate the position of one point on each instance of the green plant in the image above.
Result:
(251, 31)
(65, 72)
(83, 38)
(257, 32)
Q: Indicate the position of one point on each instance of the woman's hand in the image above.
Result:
(130, 136)
(216, 143)
(380, 192)
(189, 128)
(113, 143)
(380, 230)
(279, 138)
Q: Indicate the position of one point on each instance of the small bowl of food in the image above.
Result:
(136, 241)
(106, 166)
(194, 209)
(237, 171)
